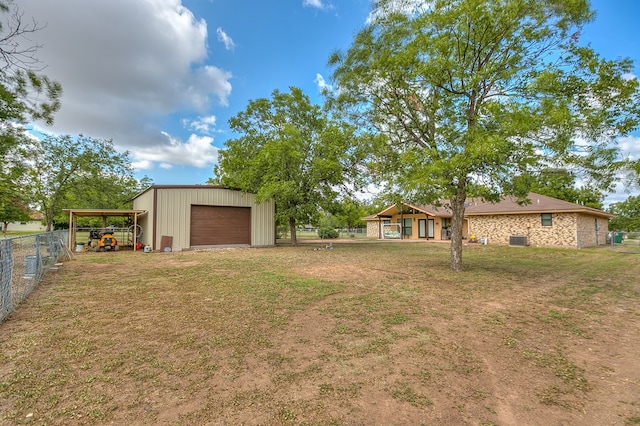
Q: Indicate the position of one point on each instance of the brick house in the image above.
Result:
(546, 221)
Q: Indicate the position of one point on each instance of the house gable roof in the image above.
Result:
(392, 210)
(539, 204)
(508, 205)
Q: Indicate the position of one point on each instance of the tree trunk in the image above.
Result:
(48, 217)
(457, 222)
(292, 230)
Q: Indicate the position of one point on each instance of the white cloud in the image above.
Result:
(314, 3)
(197, 151)
(125, 66)
(225, 39)
(204, 125)
(216, 81)
(629, 147)
(142, 165)
(322, 83)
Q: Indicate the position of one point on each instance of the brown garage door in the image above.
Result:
(216, 225)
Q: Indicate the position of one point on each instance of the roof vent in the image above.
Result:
(518, 240)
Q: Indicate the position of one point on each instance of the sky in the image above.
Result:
(161, 78)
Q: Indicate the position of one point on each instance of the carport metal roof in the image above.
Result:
(75, 213)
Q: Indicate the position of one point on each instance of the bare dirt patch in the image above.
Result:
(362, 334)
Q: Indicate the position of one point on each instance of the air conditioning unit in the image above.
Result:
(518, 240)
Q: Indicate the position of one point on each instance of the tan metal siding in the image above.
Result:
(173, 216)
(263, 224)
(145, 202)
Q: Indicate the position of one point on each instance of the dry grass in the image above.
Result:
(366, 333)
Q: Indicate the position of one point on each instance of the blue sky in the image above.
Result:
(162, 77)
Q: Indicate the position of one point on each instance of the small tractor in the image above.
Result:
(102, 240)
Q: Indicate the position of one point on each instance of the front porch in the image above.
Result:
(409, 222)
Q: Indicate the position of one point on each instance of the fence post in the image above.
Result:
(6, 272)
(38, 257)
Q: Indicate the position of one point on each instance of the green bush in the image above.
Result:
(327, 232)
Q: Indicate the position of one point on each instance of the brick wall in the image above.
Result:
(567, 229)
(588, 236)
(373, 229)
(498, 228)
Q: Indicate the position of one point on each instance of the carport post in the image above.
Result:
(71, 231)
(135, 231)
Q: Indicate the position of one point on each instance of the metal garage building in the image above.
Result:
(186, 216)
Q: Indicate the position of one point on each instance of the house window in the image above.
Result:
(406, 227)
(547, 219)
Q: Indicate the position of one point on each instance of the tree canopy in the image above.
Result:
(13, 210)
(289, 150)
(628, 215)
(25, 94)
(561, 184)
(83, 168)
(349, 213)
(473, 97)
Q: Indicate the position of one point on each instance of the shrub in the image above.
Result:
(327, 232)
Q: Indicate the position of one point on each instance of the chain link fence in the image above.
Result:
(620, 242)
(24, 261)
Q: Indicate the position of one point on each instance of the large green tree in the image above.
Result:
(66, 166)
(25, 94)
(349, 213)
(97, 190)
(628, 215)
(561, 184)
(474, 96)
(291, 151)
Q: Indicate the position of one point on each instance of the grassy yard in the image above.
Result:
(367, 333)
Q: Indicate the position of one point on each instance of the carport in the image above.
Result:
(74, 214)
